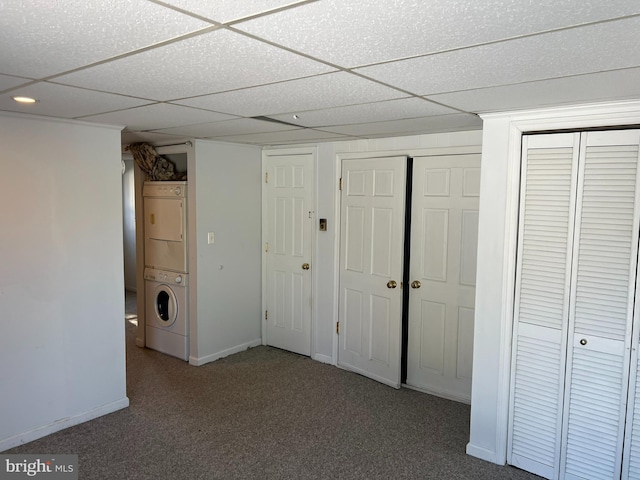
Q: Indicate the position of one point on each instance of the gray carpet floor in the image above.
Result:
(268, 414)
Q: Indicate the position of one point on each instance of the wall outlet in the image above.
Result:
(210, 238)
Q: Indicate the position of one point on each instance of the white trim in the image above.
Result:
(438, 392)
(322, 358)
(43, 431)
(482, 453)
(198, 361)
(314, 240)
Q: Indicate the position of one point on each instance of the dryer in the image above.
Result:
(167, 319)
(165, 225)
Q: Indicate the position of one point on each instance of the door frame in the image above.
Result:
(314, 231)
(409, 153)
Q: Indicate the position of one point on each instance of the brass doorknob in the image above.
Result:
(392, 284)
(416, 284)
(305, 266)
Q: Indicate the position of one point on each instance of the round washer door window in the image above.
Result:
(165, 305)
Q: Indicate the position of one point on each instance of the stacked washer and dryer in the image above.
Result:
(166, 268)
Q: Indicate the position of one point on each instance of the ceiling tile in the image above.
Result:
(443, 123)
(222, 11)
(331, 90)
(8, 81)
(208, 63)
(225, 128)
(66, 102)
(587, 49)
(41, 38)
(368, 112)
(612, 85)
(159, 115)
(280, 138)
(370, 31)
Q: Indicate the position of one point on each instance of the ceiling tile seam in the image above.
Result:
(253, 16)
(137, 51)
(311, 110)
(393, 120)
(249, 87)
(154, 102)
(330, 64)
(402, 90)
(546, 79)
(303, 112)
(23, 85)
(186, 12)
(337, 135)
(150, 100)
(218, 121)
(494, 42)
(107, 112)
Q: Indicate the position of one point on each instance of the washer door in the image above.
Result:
(166, 306)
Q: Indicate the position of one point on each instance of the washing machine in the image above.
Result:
(167, 319)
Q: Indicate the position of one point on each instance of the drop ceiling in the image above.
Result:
(274, 72)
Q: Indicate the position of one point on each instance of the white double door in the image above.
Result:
(441, 272)
(574, 391)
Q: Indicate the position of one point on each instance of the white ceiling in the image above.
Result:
(320, 69)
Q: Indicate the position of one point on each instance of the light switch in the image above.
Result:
(210, 238)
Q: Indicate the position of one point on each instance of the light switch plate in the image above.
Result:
(210, 238)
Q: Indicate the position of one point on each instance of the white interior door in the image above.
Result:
(444, 238)
(371, 266)
(288, 244)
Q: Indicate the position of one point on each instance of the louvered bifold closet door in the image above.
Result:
(547, 206)
(601, 306)
(631, 454)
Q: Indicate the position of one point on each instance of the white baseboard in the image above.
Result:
(198, 361)
(323, 358)
(482, 453)
(43, 431)
(440, 393)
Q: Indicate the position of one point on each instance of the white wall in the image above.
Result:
(225, 183)
(62, 345)
(327, 243)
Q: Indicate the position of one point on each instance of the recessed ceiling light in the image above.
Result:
(25, 99)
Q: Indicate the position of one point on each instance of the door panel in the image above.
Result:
(601, 309)
(371, 246)
(543, 278)
(444, 233)
(289, 196)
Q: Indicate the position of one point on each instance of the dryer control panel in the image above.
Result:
(165, 189)
(163, 276)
